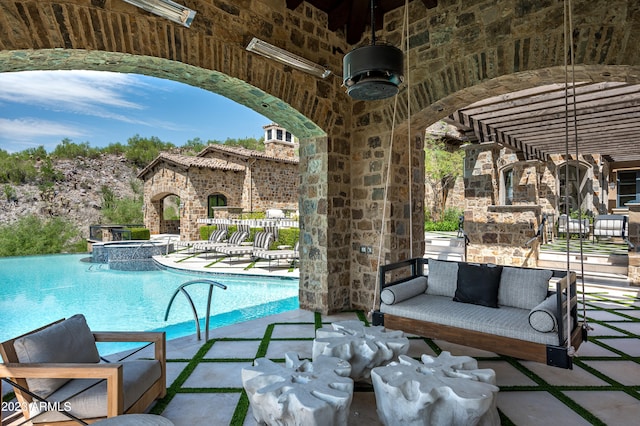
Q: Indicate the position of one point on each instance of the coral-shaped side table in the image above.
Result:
(447, 390)
(364, 347)
(300, 392)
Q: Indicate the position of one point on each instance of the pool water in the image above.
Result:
(37, 290)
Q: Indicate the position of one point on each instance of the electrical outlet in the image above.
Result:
(363, 249)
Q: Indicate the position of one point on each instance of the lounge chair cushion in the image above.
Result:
(523, 288)
(237, 237)
(137, 376)
(478, 284)
(403, 291)
(443, 277)
(65, 342)
(218, 235)
(263, 240)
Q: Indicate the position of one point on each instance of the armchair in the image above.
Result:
(59, 376)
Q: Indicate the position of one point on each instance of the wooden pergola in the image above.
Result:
(532, 122)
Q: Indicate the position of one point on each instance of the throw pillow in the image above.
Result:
(478, 284)
(403, 291)
(443, 276)
(68, 341)
(523, 287)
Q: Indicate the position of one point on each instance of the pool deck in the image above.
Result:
(214, 264)
(205, 388)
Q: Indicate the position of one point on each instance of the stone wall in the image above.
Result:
(271, 184)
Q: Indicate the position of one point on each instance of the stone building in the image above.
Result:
(221, 180)
(361, 168)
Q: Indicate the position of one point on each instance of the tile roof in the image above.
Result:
(247, 153)
(187, 161)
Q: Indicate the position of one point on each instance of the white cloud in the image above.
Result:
(28, 128)
(84, 92)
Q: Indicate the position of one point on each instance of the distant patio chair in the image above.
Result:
(262, 240)
(217, 236)
(236, 238)
(58, 376)
(572, 226)
(276, 255)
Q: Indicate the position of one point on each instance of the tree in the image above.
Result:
(141, 151)
(194, 146)
(248, 143)
(442, 168)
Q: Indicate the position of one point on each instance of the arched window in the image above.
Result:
(215, 200)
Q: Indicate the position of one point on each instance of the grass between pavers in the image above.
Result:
(588, 247)
(540, 385)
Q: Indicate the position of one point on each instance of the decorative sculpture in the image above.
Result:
(300, 392)
(447, 390)
(364, 347)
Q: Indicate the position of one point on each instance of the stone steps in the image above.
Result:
(608, 263)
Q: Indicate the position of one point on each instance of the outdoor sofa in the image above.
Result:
(519, 312)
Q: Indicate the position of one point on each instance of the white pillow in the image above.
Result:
(403, 291)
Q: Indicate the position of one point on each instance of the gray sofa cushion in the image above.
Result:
(523, 287)
(91, 402)
(403, 291)
(506, 321)
(443, 278)
(68, 341)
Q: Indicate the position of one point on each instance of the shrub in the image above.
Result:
(288, 236)
(72, 150)
(10, 193)
(449, 221)
(31, 235)
(121, 210)
(140, 233)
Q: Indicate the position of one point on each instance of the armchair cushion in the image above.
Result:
(91, 401)
(68, 341)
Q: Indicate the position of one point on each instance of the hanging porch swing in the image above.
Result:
(396, 304)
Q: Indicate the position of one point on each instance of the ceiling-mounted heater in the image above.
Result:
(373, 72)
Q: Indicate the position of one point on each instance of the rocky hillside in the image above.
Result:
(77, 197)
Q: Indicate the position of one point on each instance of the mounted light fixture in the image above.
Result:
(167, 9)
(272, 52)
(373, 72)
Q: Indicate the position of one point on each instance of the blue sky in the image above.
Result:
(44, 107)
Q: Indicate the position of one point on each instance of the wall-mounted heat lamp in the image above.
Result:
(272, 52)
(167, 9)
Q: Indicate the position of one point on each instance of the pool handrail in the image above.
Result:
(181, 288)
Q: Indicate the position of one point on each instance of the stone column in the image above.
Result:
(324, 224)
(634, 238)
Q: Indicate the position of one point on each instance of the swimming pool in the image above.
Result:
(36, 290)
